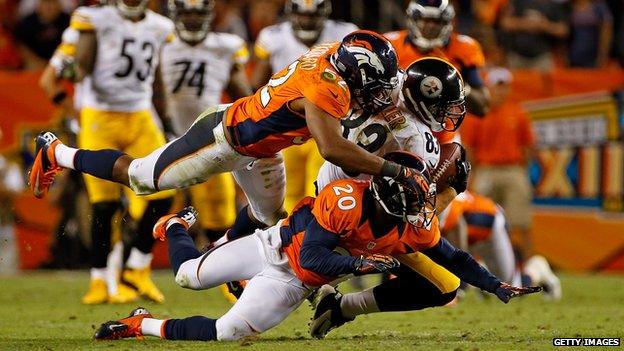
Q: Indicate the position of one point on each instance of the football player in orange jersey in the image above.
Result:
(352, 227)
(430, 33)
(477, 224)
(306, 99)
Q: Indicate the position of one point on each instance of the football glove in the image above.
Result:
(459, 181)
(375, 263)
(506, 292)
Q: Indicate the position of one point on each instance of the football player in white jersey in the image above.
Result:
(118, 49)
(276, 47)
(197, 67)
(409, 123)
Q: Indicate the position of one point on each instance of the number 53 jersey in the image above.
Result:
(196, 75)
(126, 59)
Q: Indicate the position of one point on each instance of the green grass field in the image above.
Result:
(41, 311)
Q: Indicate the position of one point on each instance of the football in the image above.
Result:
(446, 168)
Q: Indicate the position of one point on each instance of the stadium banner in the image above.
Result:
(578, 178)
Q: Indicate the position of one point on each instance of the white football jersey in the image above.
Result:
(279, 44)
(195, 76)
(127, 57)
(395, 128)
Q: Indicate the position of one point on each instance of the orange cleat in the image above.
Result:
(125, 328)
(187, 217)
(44, 168)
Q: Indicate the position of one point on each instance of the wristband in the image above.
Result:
(59, 97)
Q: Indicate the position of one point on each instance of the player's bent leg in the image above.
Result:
(263, 182)
(254, 313)
(239, 259)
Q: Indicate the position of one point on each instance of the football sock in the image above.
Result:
(138, 259)
(191, 328)
(113, 267)
(152, 327)
(144, 240)
(101, 232)
(65, 155)
(358, 303)
(97, 163)
(244, 224)
(181, 246)
(98, 273)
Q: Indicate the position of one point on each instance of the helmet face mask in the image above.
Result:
(192, 18)
(433, 90)
(412, 206)
(368, 64)
(307, 18)
(131, 8)
(430, 23)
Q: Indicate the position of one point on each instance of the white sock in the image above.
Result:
(98, 273)
(358, 303)
(113, 267)
(152, 327)
(138, 259)
(65, 155)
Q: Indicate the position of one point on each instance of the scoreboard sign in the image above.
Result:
(580, 154)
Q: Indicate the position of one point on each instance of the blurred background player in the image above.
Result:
(477, 224)
(118, 47)
(501, 146)
(276, 47)
(197, 67)
(430, 33)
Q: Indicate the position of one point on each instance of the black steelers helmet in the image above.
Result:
(411, 204)
(434, 91)
(368, 64)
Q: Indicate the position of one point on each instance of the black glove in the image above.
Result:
(506, 292)
(459, 181)
(375, 263)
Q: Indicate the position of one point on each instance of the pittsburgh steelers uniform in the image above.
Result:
(481, 223)
(116, 101)
(195, 77)
(66, 51)
(279, 45)
(393, 129)
(461, 51)
(259, 126)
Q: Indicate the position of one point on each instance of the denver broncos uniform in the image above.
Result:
(279, 45)
(259, 127)
(462, 51)
(481, 222)
(195, 77)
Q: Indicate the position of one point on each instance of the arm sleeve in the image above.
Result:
(263, 47)
(82, 20)
(317, 253)
(463, 265)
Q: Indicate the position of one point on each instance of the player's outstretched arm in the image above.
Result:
(238, 85)
(86, 50)
(463, 265)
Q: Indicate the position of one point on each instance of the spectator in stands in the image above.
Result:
(9, 56)
(591, 33)
(40, 33)
(531, 27)
(11, 184)
(500, 146)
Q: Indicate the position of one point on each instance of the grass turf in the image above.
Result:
(41, 311)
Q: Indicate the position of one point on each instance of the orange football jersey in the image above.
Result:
(343, 207)
(478, 212)
(461, 51)
(263, 124)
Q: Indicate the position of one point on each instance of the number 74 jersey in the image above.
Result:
(126, 59)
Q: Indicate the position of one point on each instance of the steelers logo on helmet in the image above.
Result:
(431, 87)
